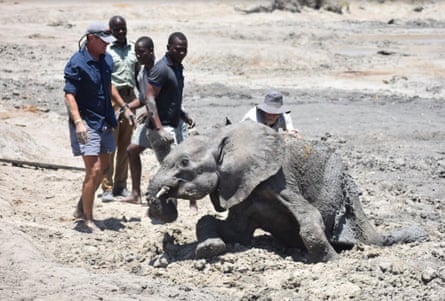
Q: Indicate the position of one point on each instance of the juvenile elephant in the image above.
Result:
(299, 192)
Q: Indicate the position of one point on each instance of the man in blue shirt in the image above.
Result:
(88, 94)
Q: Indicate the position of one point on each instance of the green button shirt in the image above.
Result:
(125, 61)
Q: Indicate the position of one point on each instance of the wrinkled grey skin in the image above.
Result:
(299, 192)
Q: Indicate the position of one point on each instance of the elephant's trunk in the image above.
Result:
(162, 209)
(162, 206)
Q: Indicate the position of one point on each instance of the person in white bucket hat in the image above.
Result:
(273, 113)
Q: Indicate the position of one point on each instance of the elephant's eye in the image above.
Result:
(184, 162)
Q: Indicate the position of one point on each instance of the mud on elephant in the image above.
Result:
(299, 192)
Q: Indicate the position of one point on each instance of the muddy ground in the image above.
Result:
(369, 81)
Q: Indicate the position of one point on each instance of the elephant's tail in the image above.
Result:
(362, 228)
(405, 235)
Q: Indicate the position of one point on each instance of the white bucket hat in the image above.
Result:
(273, 103)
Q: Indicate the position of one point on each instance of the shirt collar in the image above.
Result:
(170, 63)
(87, 55)
(115, 45)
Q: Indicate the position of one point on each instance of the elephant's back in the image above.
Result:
(318, 170)
(308, 158)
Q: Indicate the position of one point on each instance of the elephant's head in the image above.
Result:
(227, 165)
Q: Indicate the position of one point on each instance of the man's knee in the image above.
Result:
(134, 150)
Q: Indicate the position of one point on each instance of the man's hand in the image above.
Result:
(81, 132)
(128, 114)
(165, 137)
(142, 117)
(191, 123)
(188, 120)
(295, 133)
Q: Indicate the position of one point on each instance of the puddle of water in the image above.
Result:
(416, 38)
(366, 73)
(408, 40)
(356, 51)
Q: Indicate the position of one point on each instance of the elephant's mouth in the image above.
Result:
(182, 190)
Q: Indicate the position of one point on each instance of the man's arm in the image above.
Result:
(73, 109)
(187, 119)
(289, 126)
(151, 93)
(136, 103)
(74, 114)
(125, 108)
(116, 97)
(150, 103)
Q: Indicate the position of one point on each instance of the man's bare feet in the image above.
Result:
(87, 226)
(193, 206)
(90, 224)
(78, 212)
(132, 199)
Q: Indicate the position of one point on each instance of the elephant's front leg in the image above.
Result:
(213, 234)
(311, 225)
(209, 241)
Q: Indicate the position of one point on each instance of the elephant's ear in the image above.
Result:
(248, 154)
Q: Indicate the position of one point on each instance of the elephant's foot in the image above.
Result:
(210, 247)
(323, 254)
(331, 256)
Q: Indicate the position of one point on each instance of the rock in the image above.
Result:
(385, 267)
(90, 250)
(160, 261)
(200, 264)
(428, 275)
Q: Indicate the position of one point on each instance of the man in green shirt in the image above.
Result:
(124, 79)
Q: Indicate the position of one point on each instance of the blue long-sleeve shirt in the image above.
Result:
(90, 82)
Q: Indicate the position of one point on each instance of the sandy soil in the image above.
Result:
(370, 82)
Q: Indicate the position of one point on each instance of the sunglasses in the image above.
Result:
(103, 33)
